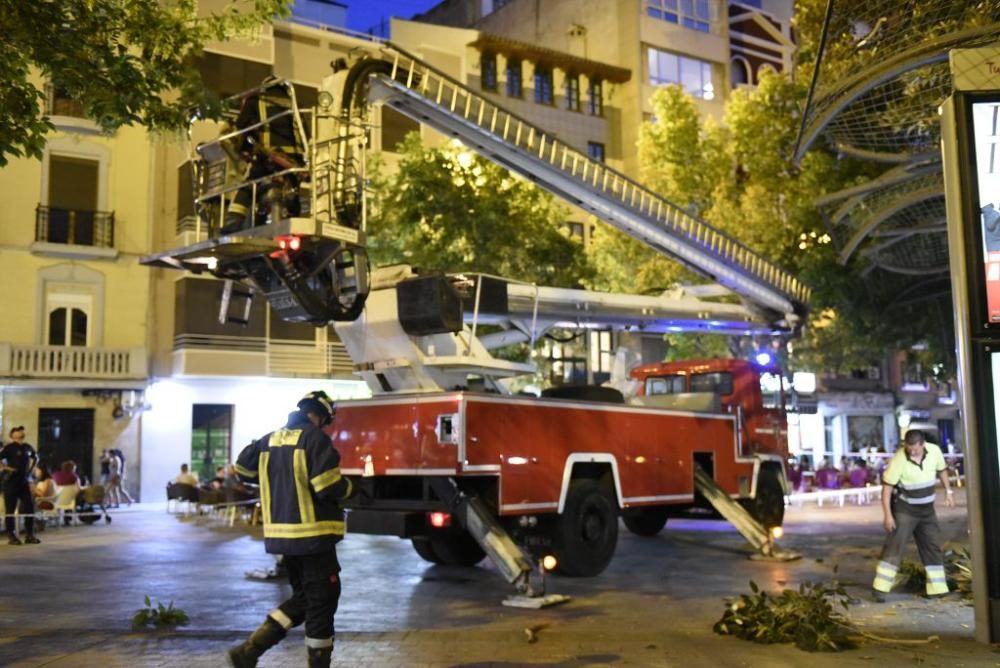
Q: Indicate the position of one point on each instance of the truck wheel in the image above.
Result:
(457, 550)
(768, 506)
(425, 549)
(587, 531)
(646, 521)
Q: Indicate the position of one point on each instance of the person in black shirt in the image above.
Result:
(18, 459)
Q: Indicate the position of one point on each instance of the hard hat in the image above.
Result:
(318, 402)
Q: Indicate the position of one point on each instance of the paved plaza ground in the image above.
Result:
(68, 602)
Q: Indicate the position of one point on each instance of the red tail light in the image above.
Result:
(439, 520)
(289, 243)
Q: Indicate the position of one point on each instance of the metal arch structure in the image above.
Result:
(894, 47)
(896, 242)
(883, 214)
(860, 84)
(852, 197)
(881, 74)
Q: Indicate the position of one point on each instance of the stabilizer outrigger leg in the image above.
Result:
(755, 533)
(514, 564)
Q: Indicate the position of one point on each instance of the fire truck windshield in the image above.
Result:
(719, 382)
(770, 390)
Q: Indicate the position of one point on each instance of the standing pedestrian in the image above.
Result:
(908, 509)
(105, 467)
(123, 475)
(18, 459)
(300, 490)
(115, 489)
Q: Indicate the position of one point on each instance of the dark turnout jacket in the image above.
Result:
(298, 470)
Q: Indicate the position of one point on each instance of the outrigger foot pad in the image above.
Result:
(535, 602)
(776, 555)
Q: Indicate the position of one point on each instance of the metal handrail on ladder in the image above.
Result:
(479, 115)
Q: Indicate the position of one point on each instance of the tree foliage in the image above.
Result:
(125, 61)
(739, 176)
(447, 209)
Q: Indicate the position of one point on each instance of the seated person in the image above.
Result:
(235, 489)
(44, 490)
(795, 476)
(827, 477)
(66, 475)
(186, 477)
(219, 481)
(859, 475)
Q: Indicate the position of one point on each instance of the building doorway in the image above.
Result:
(67, 433)
(211, 438)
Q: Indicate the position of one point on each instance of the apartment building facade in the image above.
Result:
(707, 46)
(74, 342)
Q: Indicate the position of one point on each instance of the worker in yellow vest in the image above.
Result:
(908, 492)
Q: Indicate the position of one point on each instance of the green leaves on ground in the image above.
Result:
(158, 616)
(124, 61)
(807, 617)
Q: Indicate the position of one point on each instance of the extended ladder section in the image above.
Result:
(735, 514)
(433, 98)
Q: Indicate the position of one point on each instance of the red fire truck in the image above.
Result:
(557, 471)
(445, 453)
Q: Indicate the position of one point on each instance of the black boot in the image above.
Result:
(264, 638)
(320, 657)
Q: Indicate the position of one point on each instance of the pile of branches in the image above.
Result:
(957, 568)
(809, 617)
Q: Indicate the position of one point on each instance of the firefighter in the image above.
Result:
(908, 509)
(273, 147)
(300, 486)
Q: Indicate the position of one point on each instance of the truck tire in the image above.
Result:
(423, 547)
(586, 533)
(646, 522)
(456, 549)
(768, 505)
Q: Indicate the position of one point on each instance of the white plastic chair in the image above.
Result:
(65, 500)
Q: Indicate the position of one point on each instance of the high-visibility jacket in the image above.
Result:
(298, 470)
(915, 481)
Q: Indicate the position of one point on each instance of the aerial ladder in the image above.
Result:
(312, 266)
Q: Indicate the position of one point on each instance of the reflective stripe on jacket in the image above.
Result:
(914, 481)
(298, 470)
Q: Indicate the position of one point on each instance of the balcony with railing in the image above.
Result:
(74, 232)
(66, 113)
(58, 103)
(26, 362)
(219, 355)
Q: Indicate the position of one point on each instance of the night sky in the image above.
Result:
(363, 14)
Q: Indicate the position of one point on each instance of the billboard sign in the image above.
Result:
(986, 137)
